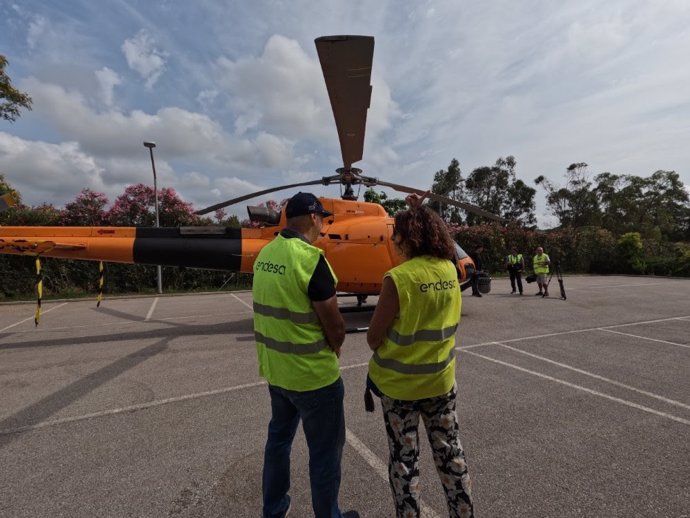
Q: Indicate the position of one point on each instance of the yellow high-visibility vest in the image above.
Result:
(416, 359)
(292, 349)
(540, 264)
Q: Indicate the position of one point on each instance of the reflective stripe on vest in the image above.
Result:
(404, 368)
(515, 259)
(289, 347)
(425, 335)
(294, 316)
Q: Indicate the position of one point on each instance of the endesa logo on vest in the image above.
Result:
(269, 267)
(438, 286)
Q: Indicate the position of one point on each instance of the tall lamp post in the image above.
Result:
(151, 145)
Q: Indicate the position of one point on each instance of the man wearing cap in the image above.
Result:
(299, 332)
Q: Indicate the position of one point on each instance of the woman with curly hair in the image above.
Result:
(412, 370)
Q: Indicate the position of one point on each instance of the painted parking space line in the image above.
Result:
(143, 406)
(644, 337)
(243, 302)
(583, 389)
(643, 322)
(31, 318)
(380, 467)
(596, 376)
(151, 309)
(630, 285)
(130, 408)
(573, 331)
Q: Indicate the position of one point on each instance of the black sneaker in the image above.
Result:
(476, 294)
(351, 514)
(538, 294)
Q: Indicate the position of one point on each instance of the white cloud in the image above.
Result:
(281, 91)
(143, 57)
(65, 169)
(178, 132)
(107, 80)
(37, 28)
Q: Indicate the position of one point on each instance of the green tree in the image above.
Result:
(10, 201)
(496, 189)
(658, 206)
(11, 99)
(631, 252)
(392, 205)
(448, 183)
(576, 204)
(5, 187)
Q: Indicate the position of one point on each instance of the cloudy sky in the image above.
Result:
(233, 95)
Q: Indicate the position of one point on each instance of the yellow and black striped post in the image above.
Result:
(99, 298)
(39, 290)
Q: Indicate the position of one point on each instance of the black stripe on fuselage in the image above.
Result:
(168, 247)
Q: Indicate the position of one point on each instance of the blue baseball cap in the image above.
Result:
(305, 203)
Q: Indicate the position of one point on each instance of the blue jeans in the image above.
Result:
(323, 421)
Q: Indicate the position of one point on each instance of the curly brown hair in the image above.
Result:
(423, 232)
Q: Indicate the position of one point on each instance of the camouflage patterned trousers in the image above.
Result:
(441, 423)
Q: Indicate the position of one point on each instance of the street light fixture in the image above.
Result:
(151, 145)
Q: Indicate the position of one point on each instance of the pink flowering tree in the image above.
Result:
(136, 207)
(87, 209)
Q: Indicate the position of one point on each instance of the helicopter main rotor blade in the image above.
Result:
(346, 64)
(253, 195)
(443, 199)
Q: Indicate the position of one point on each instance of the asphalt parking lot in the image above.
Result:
(153, 407)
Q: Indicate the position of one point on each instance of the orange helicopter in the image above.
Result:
(356, 238)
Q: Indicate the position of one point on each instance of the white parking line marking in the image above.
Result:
(142, 406)
(584, 389)
(31, 318)
(153, 306)
(596, 376)
(380, 467)
(131, 408)
(243, 302)
(561, 333)
(644, 337)
(607, 286)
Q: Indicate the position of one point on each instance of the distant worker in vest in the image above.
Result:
(515, 264)
(412, 369)
(299, 332)
(541, 263)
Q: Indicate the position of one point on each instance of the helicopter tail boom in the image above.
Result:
(183, 247)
